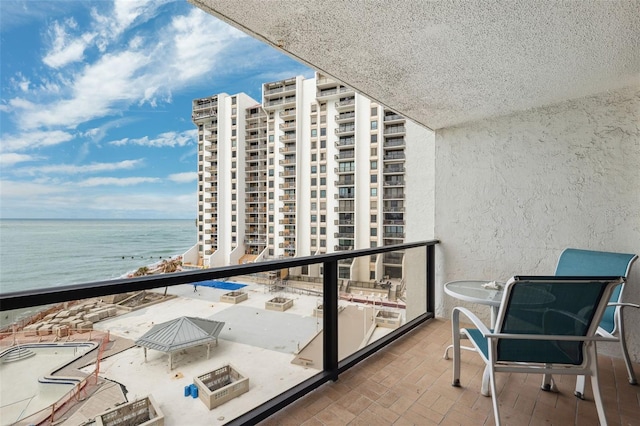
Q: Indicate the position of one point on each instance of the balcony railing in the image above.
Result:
(331, 365)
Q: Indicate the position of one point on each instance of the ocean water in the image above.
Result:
(45, 253)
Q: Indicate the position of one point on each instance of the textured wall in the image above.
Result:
(513, 191)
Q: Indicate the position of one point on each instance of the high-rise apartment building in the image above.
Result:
(314, 168)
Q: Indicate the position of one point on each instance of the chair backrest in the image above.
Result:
(558, 306)
(577, 263)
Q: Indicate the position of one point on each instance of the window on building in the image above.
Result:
(323, 156)
(323, 168)
(323, 181)
(314, 169)
(373, 205)
(373, 232)
(270, 184)
(200, 127)
(233, 185)
(233, 228)
(323, 193)
(233, 207)
(233, 154)
(323, 243)
(233, 175)
(271, 161)
(374, 192)
(374, 125)
(314, 133)
(270, 207)
(233, 197)
(374, 111)
(374, 218)
(374, 152)
(271, 220)
(271, 138)
(314, 157)
(314, 230)
(323, 131)
(314, 242)
(323, 230)
(233, 132)
(233, 100)
(374, 178)
(313, 145)
(200, 137)
(323, 218)
(374, 138)
(233, 121)
(314, 193)
(270, 172)
(271, 195)
(314, 218)
(374, 165)
(234, 111)
(233, 218)
(323, 144)
(314, 181)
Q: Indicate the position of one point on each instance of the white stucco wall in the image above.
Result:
(513, 191)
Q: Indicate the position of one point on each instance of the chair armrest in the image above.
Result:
(624, 305)
(455, 319)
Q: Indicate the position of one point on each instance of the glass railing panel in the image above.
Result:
(370, 309)
(264, 327)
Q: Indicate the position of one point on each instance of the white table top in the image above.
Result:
(472, 291)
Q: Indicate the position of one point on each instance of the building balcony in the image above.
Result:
(288, 113)
(344, 104)
(289, 125)
(345, 130)
(392, 118)
(394, 130)
(345, 117)
(391, 395)
(291, 137)
(345, 142)
(393, 170)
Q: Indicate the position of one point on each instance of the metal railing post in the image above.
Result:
(330, 319)
(431, 278)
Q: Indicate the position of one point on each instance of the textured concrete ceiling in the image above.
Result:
(448, 62)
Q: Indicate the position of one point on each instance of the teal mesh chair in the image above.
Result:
(576, 262)
(546, 325)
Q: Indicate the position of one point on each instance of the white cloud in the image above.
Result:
(35, 139)
(183, 177)
(66, 48)
(112, 181)
(30, 190)
(87, 168)
(9, 159)
(167, 139)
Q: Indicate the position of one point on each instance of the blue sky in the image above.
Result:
(95, 108)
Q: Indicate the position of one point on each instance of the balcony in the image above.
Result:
(398, 386)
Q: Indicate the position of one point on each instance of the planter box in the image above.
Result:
(278, 304)
(388, 319)
(219, 386)
(317, 312)
(143, 412)
(234, 297)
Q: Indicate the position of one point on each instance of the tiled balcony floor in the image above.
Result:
(409, 383)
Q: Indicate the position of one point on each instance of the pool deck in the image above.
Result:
(257, 342)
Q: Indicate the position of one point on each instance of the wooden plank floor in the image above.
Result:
(409, 383)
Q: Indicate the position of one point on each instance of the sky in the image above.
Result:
(95, 105)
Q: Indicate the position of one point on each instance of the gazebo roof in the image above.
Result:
(180, 333)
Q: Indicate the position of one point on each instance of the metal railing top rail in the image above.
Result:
(44, 296)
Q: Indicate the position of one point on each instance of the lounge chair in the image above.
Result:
(576, 262)
(546, 325)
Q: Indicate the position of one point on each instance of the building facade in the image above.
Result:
(313, 168)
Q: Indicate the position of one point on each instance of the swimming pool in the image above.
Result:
(223, 285)
(27, 383)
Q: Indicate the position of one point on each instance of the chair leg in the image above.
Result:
(494, 393)
(548, 384)
(579, 392)
(595, 385)
(486, 387)
(455, 338)
(625, 353)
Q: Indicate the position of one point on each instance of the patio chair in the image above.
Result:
(576, 262)
(546, 325)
